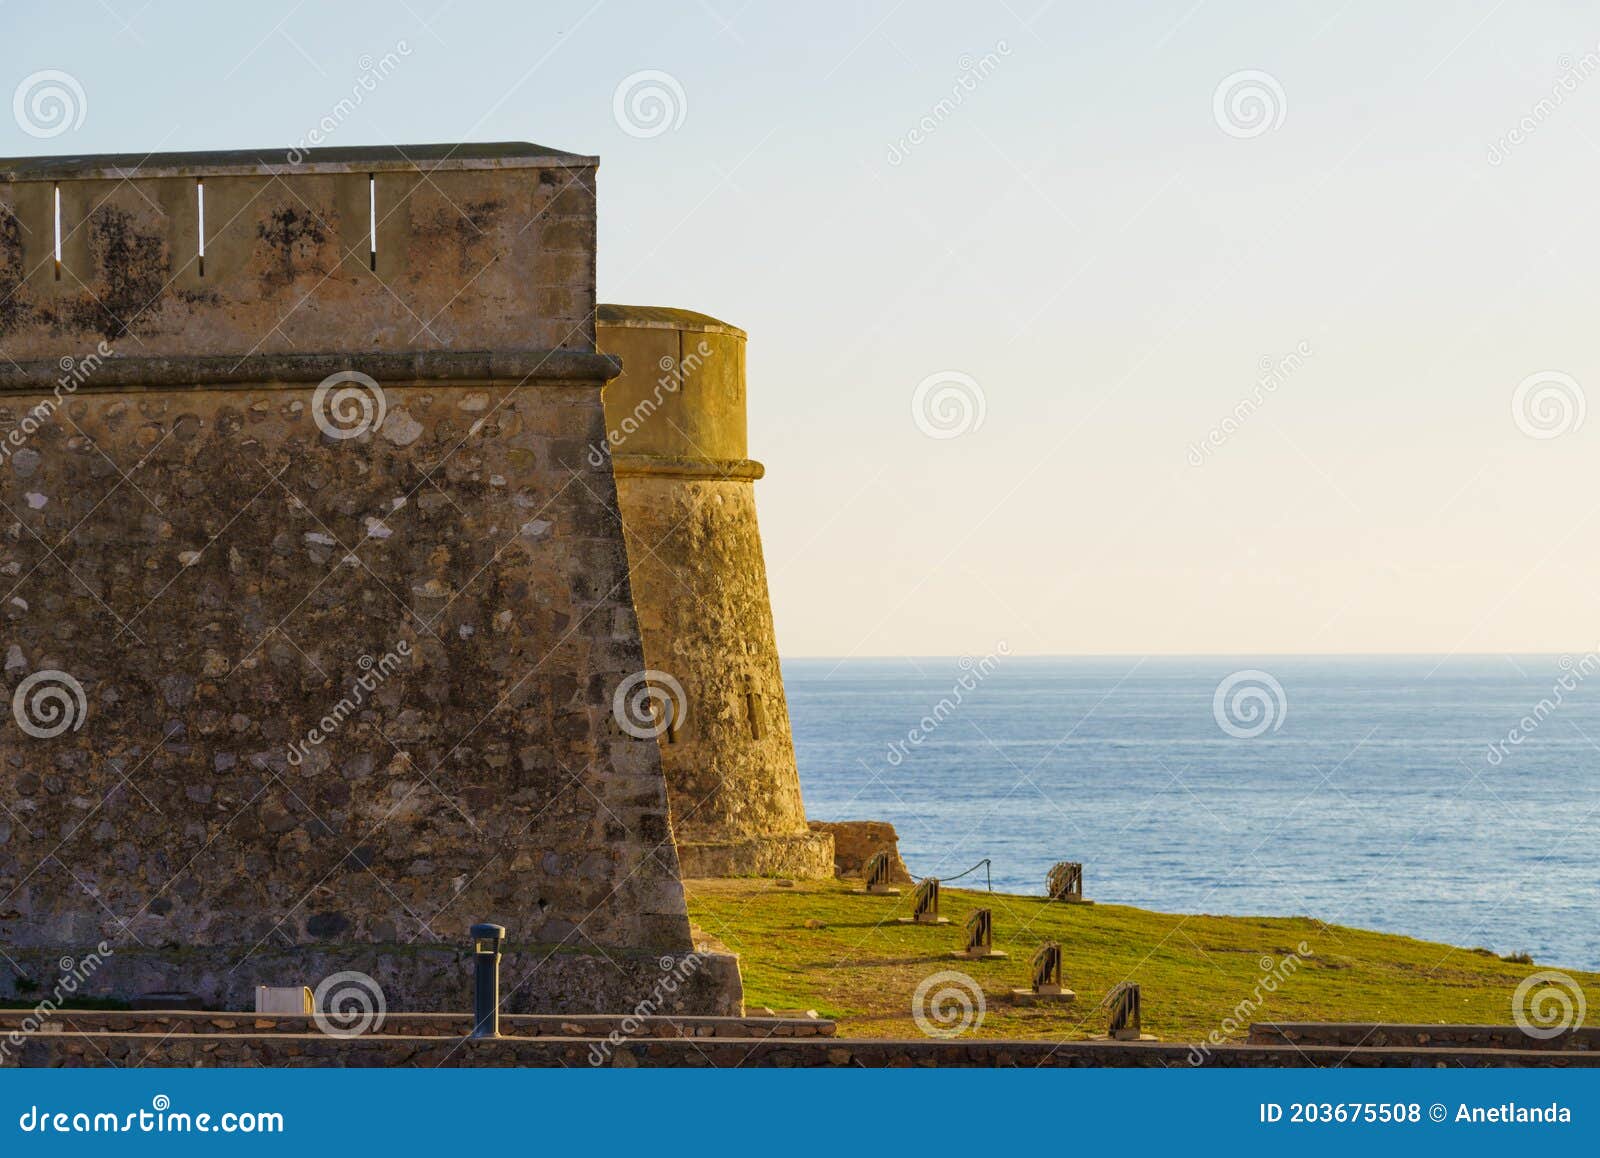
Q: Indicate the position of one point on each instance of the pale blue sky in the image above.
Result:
(1083, 239)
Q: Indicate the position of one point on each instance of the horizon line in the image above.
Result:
(1438, 655)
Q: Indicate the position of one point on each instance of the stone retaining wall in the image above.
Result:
(102, 1022)
(411, 978)
(73, 1049)
(1366, 1033)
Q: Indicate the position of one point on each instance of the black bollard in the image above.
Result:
(486, 942)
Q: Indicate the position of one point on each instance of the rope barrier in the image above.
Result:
(982, 864)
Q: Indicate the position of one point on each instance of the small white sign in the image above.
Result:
(289, 999)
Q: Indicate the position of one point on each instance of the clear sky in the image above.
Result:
(1066, 219)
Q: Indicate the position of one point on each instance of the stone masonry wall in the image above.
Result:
(703, 605)
(676, 434)
(217, 576)
(309, 670)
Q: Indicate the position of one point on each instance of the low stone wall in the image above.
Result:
(316, 1050)
(1367, 1033)
(428, 978)
(855, 842)
(807, 857)
(168, 1021)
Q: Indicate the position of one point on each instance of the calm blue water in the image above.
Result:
(1372, 803)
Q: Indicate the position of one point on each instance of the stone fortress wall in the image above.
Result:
(316, 675)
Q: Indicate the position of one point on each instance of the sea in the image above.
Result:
(1452, 799)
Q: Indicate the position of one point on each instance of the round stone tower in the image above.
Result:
(676, 436)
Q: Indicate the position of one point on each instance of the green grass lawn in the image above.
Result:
(817, 946)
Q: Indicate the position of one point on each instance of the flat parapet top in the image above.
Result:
(235, 162)
(661, 318)
(384, 249)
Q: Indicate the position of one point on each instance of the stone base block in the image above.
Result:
(1034, 997)
(979, 954)
(807, 856)
(1124, 1036)
(922, 920)
(418, 978)
(1071, 900)
(877, 892)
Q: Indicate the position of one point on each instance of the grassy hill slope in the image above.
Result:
(817, 946)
